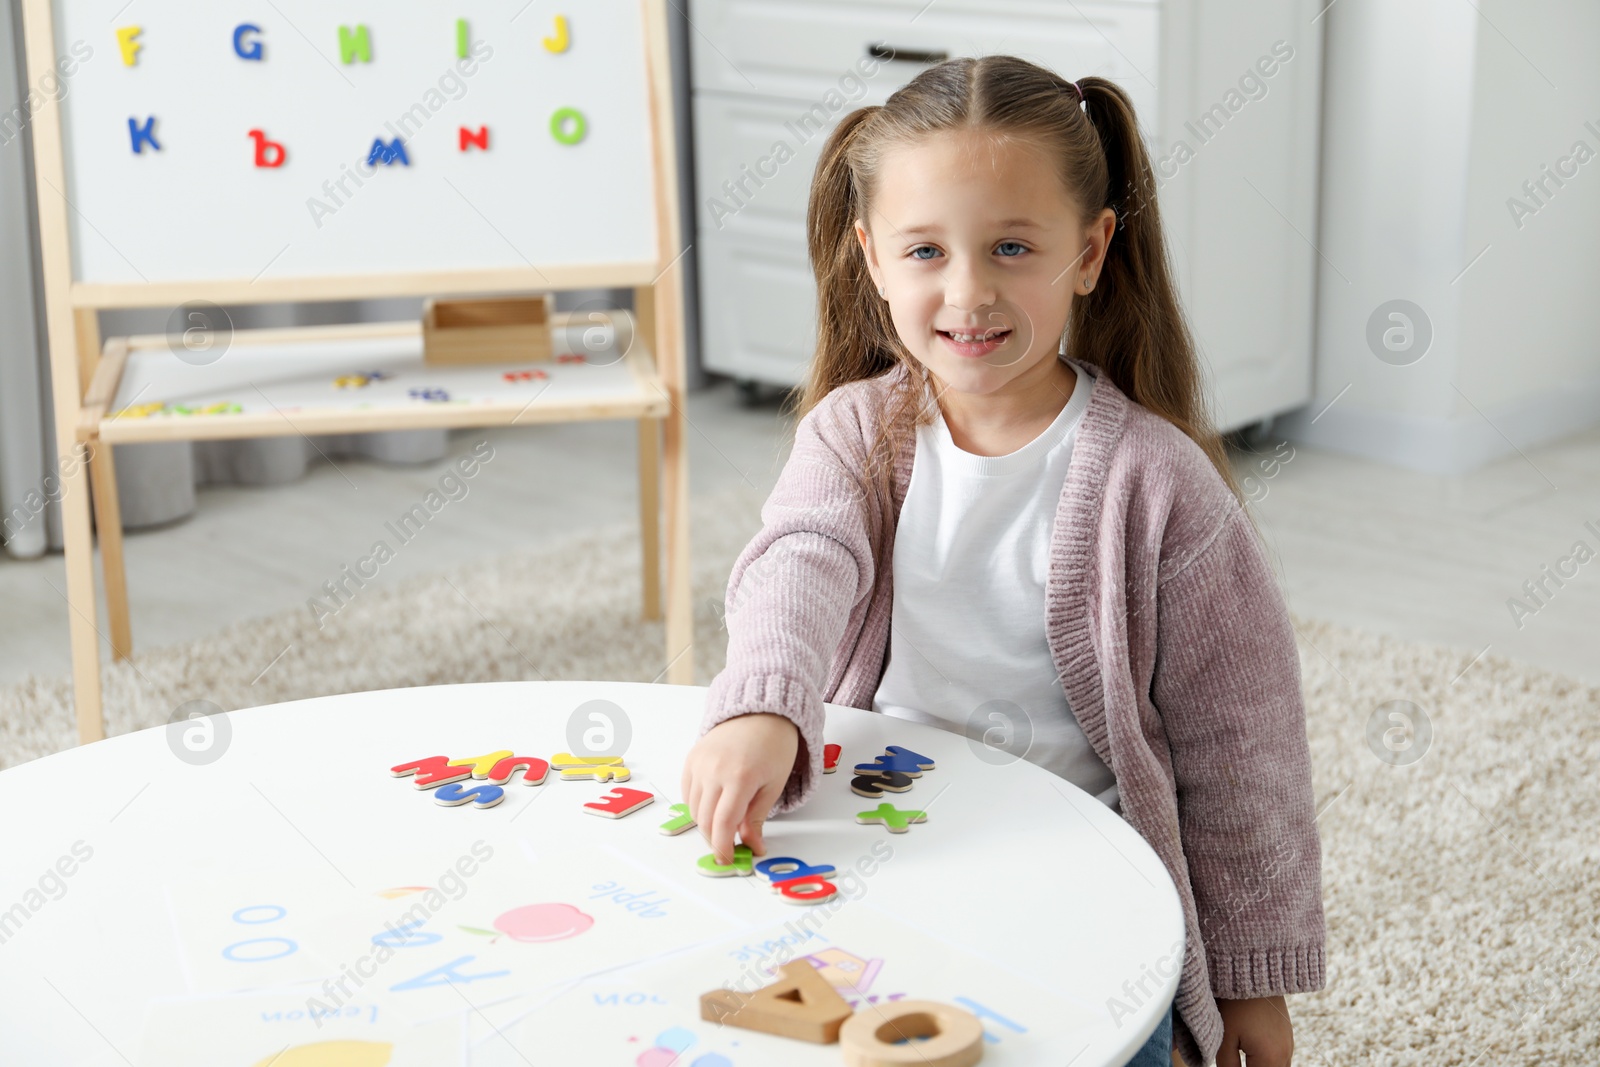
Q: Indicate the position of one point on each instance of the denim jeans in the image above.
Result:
(1157, 1052)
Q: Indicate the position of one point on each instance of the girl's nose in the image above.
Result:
(968, 286)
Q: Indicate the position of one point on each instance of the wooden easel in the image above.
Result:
(85, 374)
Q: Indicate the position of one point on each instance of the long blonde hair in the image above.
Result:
(1130, 325)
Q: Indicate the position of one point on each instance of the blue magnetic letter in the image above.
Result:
(141, 134)
(253, 49)
(387, 153)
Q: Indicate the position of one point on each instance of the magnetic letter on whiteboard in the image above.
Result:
(354, 46)
(141, 134)
(126, 42)
(252, 50)
(388, 154)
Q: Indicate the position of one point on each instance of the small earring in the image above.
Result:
(1088, 283)
(880, 290)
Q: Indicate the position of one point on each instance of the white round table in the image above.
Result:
(144, 876)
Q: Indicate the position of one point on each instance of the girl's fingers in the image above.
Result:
(756, 816)
(729, 812)
(704, 808)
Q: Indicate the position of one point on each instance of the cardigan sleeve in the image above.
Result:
(791, 592)
(1227, 686)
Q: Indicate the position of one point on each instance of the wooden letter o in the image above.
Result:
(954, 1037)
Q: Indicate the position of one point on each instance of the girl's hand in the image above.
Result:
(733, 776)
(1258, 1027)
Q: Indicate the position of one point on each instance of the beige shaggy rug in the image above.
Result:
(1461, 890)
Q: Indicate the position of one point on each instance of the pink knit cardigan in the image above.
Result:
(1168, 630)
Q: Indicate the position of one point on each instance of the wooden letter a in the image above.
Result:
(801, 1005)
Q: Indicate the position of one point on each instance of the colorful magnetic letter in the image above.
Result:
(559, 129)
(387, 153)
(681, 820)
(742, 863)
(897, 759)
(481, 796)
(600, 768)
(353, 46)
(813, 889)
(830, 758)
(534, 773)
(896, 819)
(481, 765)
(141, 134)
(562, 38)
(126, 42)
(268, 153)
(431, 771)
(463, 40)
(801, 1005)
(246, 49)
(783, 868)
(481, 138)
(619, 802)
(874, 785)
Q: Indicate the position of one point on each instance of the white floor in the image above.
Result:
(1358, 543)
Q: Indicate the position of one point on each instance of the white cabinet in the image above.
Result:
(766, 73)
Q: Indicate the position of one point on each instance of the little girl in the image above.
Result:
(996, 315)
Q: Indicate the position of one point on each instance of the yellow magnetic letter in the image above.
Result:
(559, 42)
(125, 41)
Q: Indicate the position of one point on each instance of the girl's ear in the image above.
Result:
(869, 250)
(1098, 239)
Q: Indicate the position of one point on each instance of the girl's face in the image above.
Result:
(979, 252)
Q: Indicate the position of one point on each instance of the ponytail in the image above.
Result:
(1131, 325)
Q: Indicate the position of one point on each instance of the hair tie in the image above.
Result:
(1083, 104)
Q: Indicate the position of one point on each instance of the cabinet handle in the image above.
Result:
(908, 55)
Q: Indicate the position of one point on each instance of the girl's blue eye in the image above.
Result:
(1014, 244)
(922, 248)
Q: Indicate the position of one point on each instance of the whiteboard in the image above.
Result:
(199, 208)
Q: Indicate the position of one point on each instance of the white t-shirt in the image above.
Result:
(967, 644)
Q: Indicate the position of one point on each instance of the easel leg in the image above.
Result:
(680, 609)
(650, 513)
(79, 554)
(108, 531)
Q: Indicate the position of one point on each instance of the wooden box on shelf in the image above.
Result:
(512, 329)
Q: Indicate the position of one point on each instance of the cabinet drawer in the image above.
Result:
(804, 51)
(740, 184)
(758, 307)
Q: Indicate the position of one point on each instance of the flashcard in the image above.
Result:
(650, 1014)
(284, 1029)
(252, 929)
(514, 927)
